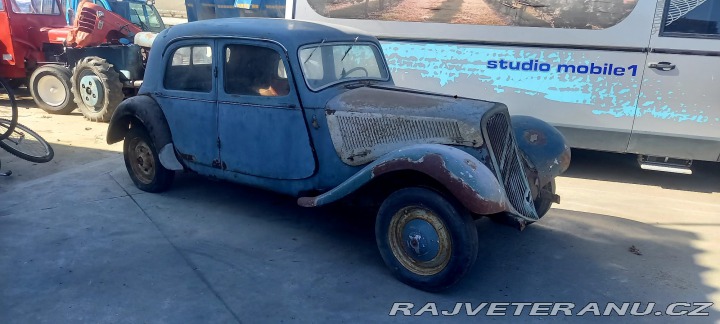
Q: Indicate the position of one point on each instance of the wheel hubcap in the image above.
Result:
(142, 161)
(419, 240)
(51, 90)
(91, 90)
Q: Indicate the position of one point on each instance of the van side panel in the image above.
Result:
(573, 89)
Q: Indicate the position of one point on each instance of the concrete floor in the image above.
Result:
(79, 243)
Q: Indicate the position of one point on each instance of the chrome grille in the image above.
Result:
(365, 131)
(507, 164)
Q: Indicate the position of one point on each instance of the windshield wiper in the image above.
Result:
(349, 48)
(313, 52)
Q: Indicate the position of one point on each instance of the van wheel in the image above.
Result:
(97, 88)
(427, 241)
(143, 163)
(50, 88)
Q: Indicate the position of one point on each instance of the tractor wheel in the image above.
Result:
(97, 88)
(50, 88)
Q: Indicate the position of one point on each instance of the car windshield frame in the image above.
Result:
(379, 58)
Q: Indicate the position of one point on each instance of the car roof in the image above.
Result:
(289, 33)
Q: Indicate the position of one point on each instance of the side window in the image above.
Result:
(698, 18)
(38, 7)
(254, 71)
(190, 69)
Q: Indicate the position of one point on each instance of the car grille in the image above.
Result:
(507, 164)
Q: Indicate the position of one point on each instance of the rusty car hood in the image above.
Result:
(410, 102)
(370, 121)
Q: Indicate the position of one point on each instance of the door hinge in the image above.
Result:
(219, 144)
(215, 72)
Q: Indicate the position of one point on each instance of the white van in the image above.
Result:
(635, 76)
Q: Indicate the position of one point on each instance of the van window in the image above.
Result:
(190, 69)
(701, 18)
(254, 71)
(576, 14)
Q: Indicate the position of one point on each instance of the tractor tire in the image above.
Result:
(97, 88)
(50, 88)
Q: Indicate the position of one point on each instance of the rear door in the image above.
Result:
(189, 100)
(678, 111)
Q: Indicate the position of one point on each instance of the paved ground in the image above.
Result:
(78, 243)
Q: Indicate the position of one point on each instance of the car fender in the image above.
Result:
(542, 145)
(466, 178)
(145, 110)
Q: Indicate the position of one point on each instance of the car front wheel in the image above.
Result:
(427, 241)
(143, 163)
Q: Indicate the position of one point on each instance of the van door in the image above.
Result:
(678, 112)
(261, 125)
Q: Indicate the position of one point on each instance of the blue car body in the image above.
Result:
(321, 145)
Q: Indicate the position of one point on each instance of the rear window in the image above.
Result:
(190, 69)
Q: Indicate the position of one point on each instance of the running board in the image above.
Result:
(665, 164)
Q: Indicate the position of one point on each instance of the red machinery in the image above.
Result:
(89, 63)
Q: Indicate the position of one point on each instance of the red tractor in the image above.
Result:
(92, 64)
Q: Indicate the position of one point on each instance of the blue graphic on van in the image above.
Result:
(610, 88)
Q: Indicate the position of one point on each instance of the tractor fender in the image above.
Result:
(542, 145)
(466, 178)
(144, 110)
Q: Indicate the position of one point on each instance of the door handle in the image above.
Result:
(662, 66)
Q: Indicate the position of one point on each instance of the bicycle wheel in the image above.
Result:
(8, 109)
(24, 143)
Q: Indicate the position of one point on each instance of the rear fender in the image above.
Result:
(143, 110)
(470, 181)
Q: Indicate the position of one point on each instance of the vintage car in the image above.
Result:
(310, 110)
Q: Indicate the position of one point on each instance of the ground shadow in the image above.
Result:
(624, 168)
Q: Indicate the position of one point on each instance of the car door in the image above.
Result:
(189, 100)
(679, 106)
(261, 125)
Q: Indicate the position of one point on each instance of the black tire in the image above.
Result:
(543, 203)
(50, 88)
(97, 88)
(17, 83)
(27, 145)
(8, 113)
(411, 218)
(143, 163)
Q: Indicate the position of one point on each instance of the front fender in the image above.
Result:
(470, 181)
(543, 145)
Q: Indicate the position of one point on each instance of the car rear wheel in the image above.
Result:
(428, 241)
(143, 163)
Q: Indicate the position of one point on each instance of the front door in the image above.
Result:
(261, 125)
(189, 101)
(678, 112)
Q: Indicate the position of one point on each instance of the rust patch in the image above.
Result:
(434, 166)
(471, 164)
(535, 137)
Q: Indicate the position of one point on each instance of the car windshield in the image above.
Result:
(327, 64)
